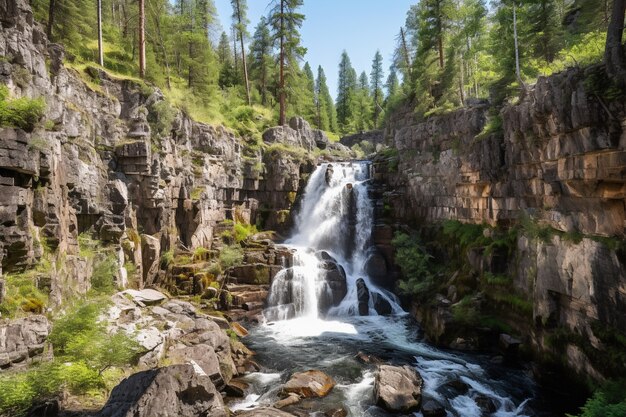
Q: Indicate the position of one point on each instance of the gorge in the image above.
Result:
(153, 265)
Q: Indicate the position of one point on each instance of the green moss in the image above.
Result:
(23, 295)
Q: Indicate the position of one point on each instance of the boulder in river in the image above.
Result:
(335, 285)
(178, 390)
(432, 408)
(363, 297)
(309, 384)
(264, 412)
(381, 305)
(398, 388)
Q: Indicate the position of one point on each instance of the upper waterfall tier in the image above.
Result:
(332, 240)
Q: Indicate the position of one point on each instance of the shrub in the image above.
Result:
(23, 112)
(608, 401)
(414, 262)
(231, 256)
(242, 231)
(104, 273)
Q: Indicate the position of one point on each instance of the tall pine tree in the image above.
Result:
(286, 22)
(376, 80)
(346, 89)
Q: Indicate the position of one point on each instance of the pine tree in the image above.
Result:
(240, 8)
(261, 62)
(362, 107)
(346, 89)
(376, 80)
(392, 85)
(326, 115)
(285, 20)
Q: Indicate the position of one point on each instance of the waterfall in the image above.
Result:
(331, 243)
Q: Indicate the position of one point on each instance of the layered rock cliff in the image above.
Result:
(555, 160)
(111, 157)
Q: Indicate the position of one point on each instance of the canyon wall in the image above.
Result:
(556, 159)
(113, 158)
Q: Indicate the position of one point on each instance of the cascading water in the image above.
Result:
(318, 318)
(331, 244)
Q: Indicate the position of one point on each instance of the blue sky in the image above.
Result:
(358, 26)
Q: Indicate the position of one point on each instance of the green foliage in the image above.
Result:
(23, 295)
(104, 273)
(167, 258)
(415, 263)
(83, 350)
(465, 234)
(243, 231)
(23, 113)
(231, 256)
(79, 335)
(607, 401)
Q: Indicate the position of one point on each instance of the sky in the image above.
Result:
(330, 26)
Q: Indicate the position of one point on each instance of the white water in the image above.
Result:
(330, 342)
(323, 224)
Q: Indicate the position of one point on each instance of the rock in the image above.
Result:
(264, 412)
(335, 285)
(431, 408)
(309, 384)
(202, 355)
(3, 290)
(150, 258)
(486, 404)
(363, 297)
(367, 359)
(509, 345)
(239, 329)
(236, 388)
(398, 389)
(381, 305)
(290, 399)
(458, 386)
(178, 390)
(281, 312)
(336, 412)
(328, 176)
(146, 296)
(46, 409)
(23, 339)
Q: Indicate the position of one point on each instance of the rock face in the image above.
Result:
(22, 340)
(309, 384)
(298, 133)
(559, 160)
(117, 159)
(374, 137)
(363, 297)
(398, 389)
(334, 283)
(179, 390)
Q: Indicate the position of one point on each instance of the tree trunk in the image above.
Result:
(462, 82)
(440, 46)
(50, 19)
(614, 51)
(282, 99)
(243, 55)
(407, 60)
(163, 50)
(518, 73)
(142, 40)
(100, 52)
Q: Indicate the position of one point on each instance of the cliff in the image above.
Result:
(555, 162)
(111, 157)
